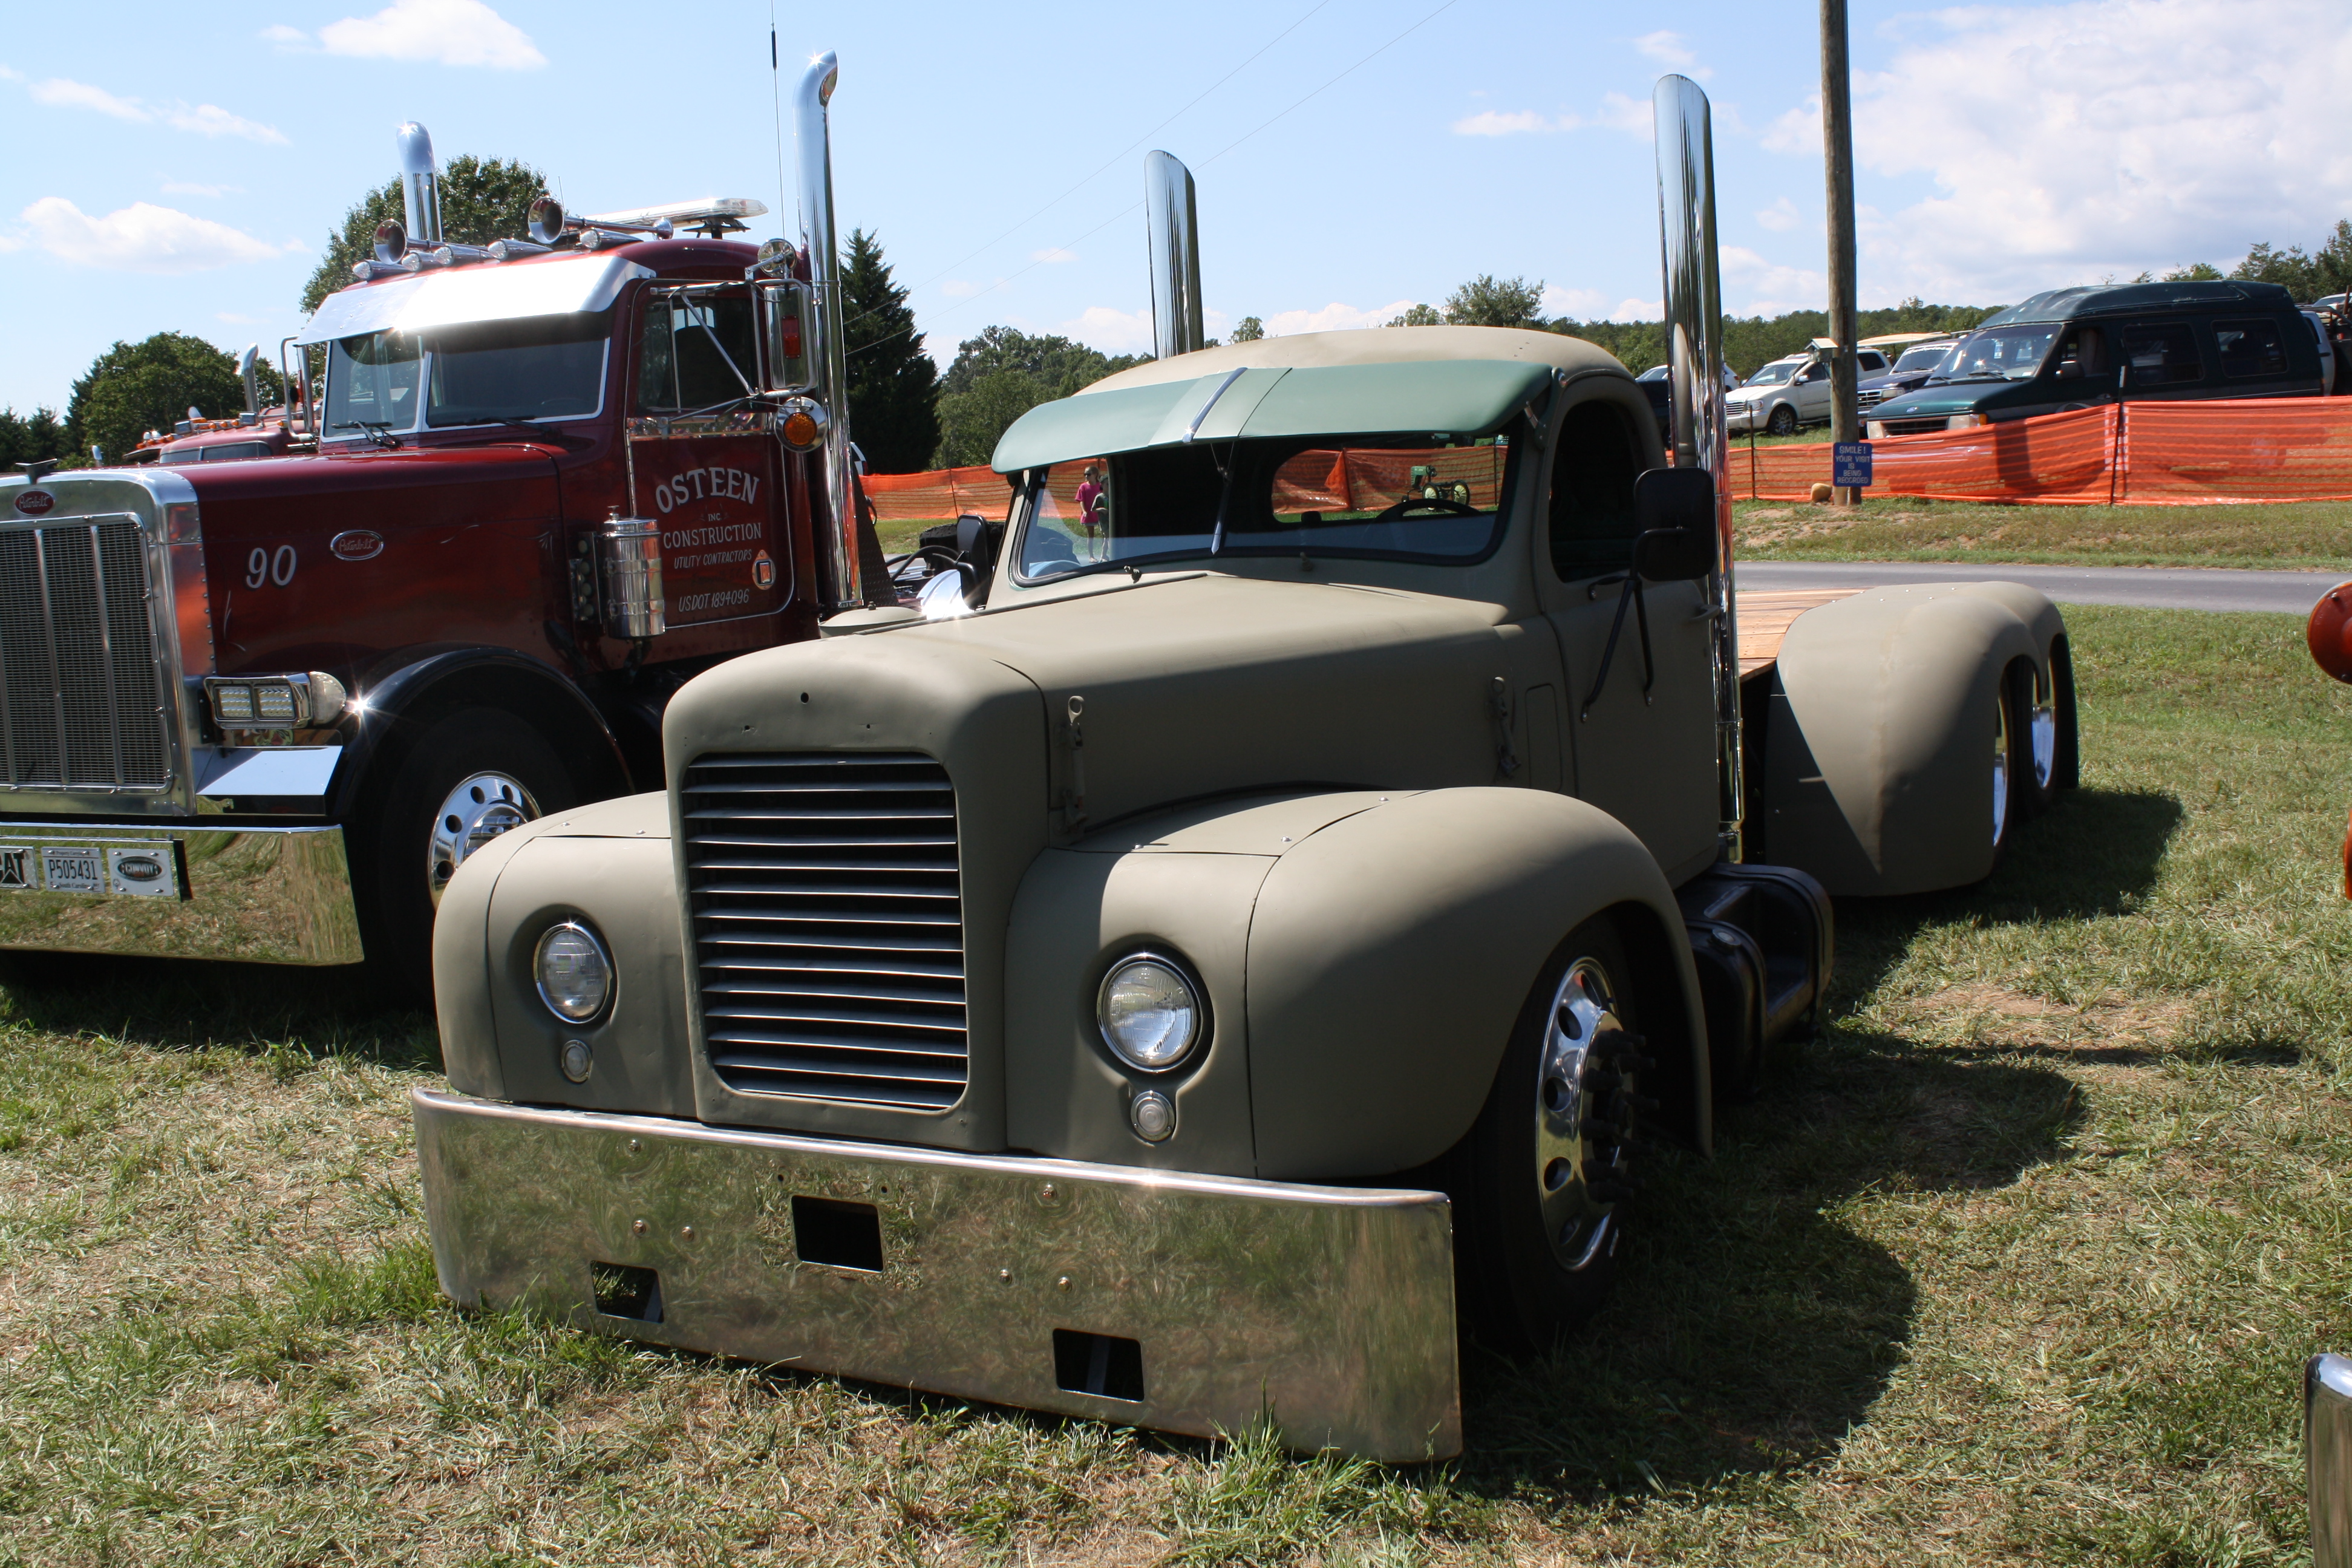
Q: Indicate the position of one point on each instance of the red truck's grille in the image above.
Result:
(828, 926)
(81, 704)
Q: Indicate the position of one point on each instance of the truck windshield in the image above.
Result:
(484, 373)
(2000, 353)
(1926, 356)
(1436, 498)
(1771, 375)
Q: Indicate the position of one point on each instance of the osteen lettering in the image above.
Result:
(700, 484)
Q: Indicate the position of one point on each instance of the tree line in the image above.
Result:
(908, 415)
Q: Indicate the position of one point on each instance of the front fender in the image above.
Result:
(1390, 955)
(1877, 764)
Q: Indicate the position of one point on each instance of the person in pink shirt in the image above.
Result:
(1090, 499)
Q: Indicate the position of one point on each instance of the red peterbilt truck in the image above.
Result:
(262, 709)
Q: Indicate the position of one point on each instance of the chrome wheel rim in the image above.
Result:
(1999, 769)
(1584, 1113)
(2042, 730)
(481, 807)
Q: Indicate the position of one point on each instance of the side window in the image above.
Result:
(1871, 362)
(2085, 348)
(695, 353)
(1815, 372)
(2251, 347)
(1592, 476)
(2160, 353)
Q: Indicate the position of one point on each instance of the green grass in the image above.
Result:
(2300, 535)
(2016, 1265)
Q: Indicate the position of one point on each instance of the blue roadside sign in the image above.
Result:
(1850, 464)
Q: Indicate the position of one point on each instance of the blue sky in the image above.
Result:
(178, 168)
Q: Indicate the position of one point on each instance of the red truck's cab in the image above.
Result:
(263, 708)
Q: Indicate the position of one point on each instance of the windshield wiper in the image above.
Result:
(378, 432)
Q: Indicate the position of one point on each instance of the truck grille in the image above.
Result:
(1870, 396)
(828, 926)
(82, 699)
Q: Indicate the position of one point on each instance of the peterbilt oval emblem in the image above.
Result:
(140, 868)
(33, 503)
(357, 544)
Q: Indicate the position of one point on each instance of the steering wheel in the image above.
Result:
(1428, 504)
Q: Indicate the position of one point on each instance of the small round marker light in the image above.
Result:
(1149, 1013)
(577, 1060)
(1152, 1115)
(574, 971)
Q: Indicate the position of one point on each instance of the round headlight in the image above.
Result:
(574, 972)
(1150, 1013)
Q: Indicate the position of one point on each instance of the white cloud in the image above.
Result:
(1769, 287)
(1671, 50)
(1631, 115)
(212, 120)
(1780, 217)
(9, 73)
(186, 188)
(1581, 303)
(1494, 123)
(59, 93)
(143, 238)
(2196, 134)
(1334, 318)
(438, 32)
(1639, 311)
(204, 119)
(1798, 130)
(1113, 331)
(1053, 253)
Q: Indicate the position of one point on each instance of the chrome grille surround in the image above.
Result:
(827, 922)
(85, 702)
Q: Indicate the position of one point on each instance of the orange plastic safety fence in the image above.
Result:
(1329, 480)
(2138, 453)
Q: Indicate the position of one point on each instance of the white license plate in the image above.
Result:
(72, 868)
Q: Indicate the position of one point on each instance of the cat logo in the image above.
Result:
(763, 571)
(15, 867)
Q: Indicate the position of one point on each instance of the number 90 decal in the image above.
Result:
(262, 567)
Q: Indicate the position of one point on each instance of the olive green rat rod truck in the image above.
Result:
(1242, 926)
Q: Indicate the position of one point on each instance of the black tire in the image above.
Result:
(2034, 702)
(1521, 1287)
(392, 859)
(1782, 423)
(2012, 754)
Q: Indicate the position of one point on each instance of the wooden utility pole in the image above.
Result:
(1837, 160)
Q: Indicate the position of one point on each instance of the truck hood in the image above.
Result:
(1935, 402)
(1186, 686)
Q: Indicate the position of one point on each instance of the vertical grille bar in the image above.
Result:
(83, 704)
(828, 926)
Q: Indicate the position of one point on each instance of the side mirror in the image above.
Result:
(1674, 509)
(788, 336)
(2069, 370)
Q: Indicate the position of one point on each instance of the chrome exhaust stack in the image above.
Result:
(813, 137)
(420, 186)
(252, 379)
(1172, 223)
(1693, 311)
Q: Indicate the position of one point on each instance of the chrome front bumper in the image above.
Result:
(2327, 1457)
(1152, 1299)
(266, 895)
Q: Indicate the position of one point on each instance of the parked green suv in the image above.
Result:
(2078, 348)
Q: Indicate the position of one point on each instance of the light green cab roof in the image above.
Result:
(1391, 381)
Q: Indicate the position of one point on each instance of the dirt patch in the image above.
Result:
(2106, 1023)
(1767, 527)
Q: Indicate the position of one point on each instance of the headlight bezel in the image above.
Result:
(580, 926)
(1196, 1038)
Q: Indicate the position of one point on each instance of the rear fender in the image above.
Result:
(1878, 776)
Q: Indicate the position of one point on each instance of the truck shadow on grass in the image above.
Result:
(180, 1005)
(1753, 1325)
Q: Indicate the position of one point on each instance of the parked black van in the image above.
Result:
(2078, 348)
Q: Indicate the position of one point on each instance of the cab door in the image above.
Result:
(1641, 744)
(1810, 392)
(703, 462)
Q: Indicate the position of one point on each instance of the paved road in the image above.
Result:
(2148, 587)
